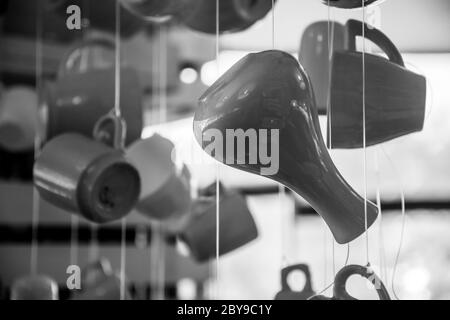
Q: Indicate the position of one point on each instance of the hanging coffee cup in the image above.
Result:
(166, 187)
(234, 15)
(236, 226)
(314, 55)
(34, 288)
(18, 118)
(99, 282)
(87, 177)
(286, 292)
(340, 291)
(265, 105)
(79, 98)
(395, 97)
(349, 4)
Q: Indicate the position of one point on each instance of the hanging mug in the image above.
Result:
(314, 55)
(78, 99)
(86, 177)
(286, 292)
(236, 226)
(18, 118)
(395, 97)
(99, 282)
(34, 288)
(234, 15)
(340, 291)
(267, 102)
(166, 188)
(348, 4)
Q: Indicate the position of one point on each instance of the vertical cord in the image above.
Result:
(403, 222)
(217, 165)
(37, 141)
(117, 55)
(163, 118)
(325, 254)
(330, 44)
(281, 189)
(154, 227)
(381, 252)
(364, 129)
(118, 113)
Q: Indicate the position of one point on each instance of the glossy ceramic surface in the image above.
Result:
(287, 293)
(236, 226)
(395, 97)
(270, 90)
(166, 186)
(314, 56)
(340, 291)
(85, 177)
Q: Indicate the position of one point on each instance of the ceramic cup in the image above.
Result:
(99, 282)
(18, 118)
(86, 177)
(317, 41)
(395, 97)
(268, 96)
(77, 99)
(166, 189)
(237, 227)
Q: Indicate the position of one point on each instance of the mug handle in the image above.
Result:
(297, 267)
(105, 43)
(342, 276)
(354, 29)
(102, 130)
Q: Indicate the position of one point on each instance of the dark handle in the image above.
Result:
(342, 276)
(86, 43)
(106, 124)
(355, 28)
(298, 267)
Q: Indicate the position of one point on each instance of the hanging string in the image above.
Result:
(163, 118)
(325, 255)
(381, 252)
(37, 139)
(118, 114)
(364, 129)
(347, 258)
(217, 165)
(403, 222)
(330, 35)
